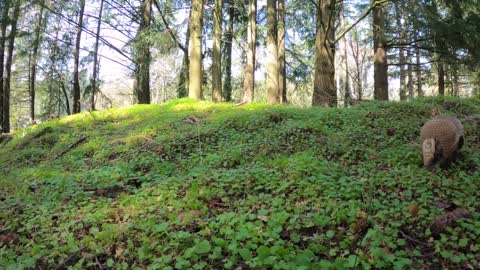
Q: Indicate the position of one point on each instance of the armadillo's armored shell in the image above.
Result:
(446, 130)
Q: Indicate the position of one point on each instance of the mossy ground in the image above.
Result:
(197, 185)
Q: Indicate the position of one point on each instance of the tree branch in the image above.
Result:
(363, 16)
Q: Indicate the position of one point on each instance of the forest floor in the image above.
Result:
(198, 185)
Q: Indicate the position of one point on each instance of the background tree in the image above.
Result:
(8, 67)
(4, 7)
(380, 49)
(76, 80)
(249, 82)
(33, 61)
(143, 56)
(273, 89)
(229, 33)
(195, 81)
(216, 56)
(324, 89)
(282, 79)
(94, 79)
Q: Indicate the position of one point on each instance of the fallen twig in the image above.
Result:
(75, 144)
(408, 237)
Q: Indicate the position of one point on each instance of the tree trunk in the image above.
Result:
(95, 58)
(249, 82)
(441, 79)
(8, 69)
(455, 83)
(411, 95)
(217, 54)
(273, 89)
(3, 33)
(184, 72)
(380, 60)
(347, 96)
(196, 23)
(143, 57)
(448, 80)
(324, 89)
(418, 69)
(33, 63)
(401, 54)
(282, 79)
(76, 59)
(227, 82)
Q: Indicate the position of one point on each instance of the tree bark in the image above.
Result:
(95, 58)
(273, 89)
(324, 89)
(282, 79)
(143, 57)
(217, 54)
(249, 82)
(455, 83)
(76, 60)
(33, 63)
(401, 54)
(347, 96)
(8, 69)
(411, 94)
(196, 23)
(227, 82)
(184, 72)
(380, 58)
(441, 79)
(418, 69)
(3, 32)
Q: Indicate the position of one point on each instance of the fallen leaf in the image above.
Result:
(413, 210)
(8, 238)
(263, 218)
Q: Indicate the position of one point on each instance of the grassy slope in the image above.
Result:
(253, 186)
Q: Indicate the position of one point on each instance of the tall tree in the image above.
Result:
(33, 62)
(182, 86)
(415, 25)
(346, 80)
(282, 79)
(441, 79)
(249, 82)
(455, 82)
(418, 67)
(324, 89)
(380, 50)
(5, 5)
(401, 52)
(8, 68)
(76, 60)
(143, 57)
(196, 23)
(216, 55)
(273, 89)
(183, 81)
(411, 95)
(95, 58)
(227, 81)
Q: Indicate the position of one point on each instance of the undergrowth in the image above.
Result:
(198, 185)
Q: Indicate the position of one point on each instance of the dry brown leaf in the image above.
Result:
(263, 218)
(413, 210)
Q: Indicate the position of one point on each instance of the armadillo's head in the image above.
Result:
(431, 153)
